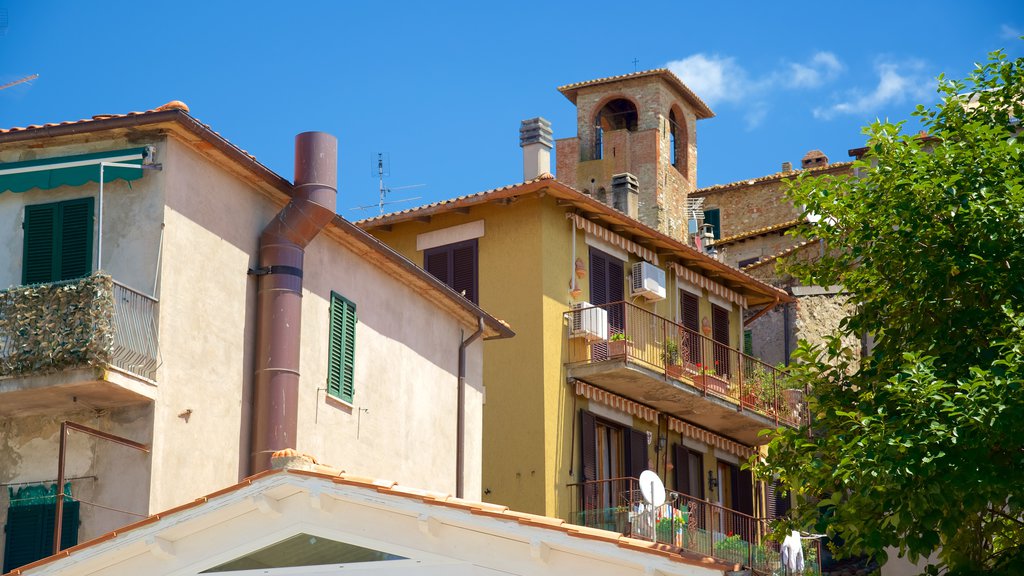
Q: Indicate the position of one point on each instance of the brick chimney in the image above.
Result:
(787, 166)
(814, 159)
(535, 139)
(626, 194)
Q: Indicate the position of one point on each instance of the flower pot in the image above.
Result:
(619, 348)
(674, 370)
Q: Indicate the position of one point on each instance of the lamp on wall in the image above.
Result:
(662, 443)
(712, 481)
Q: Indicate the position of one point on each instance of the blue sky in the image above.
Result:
(441, 87)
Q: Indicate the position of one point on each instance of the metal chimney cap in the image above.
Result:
(535, 131)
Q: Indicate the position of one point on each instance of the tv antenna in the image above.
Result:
(383, 169)
(20, 81)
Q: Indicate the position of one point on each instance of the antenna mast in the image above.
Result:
(19, 81)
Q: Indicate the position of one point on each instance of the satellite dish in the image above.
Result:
(652, 489)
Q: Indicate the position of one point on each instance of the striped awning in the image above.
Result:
(710, 285)
(618, 402)
(711, 439)
(613, 238)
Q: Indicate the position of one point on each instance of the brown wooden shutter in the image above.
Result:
(598, 278)
(588, 446)
(436, 263)
(682, 470)
(744, 491)
(636, 456)
(720, 334)
(691, 321)
(464, 270)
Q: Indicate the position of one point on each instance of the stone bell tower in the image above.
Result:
(636, 145)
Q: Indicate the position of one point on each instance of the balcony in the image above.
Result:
(684, 522)
(89, 343)
(630, 351)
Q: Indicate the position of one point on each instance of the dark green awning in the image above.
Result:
(70, 170)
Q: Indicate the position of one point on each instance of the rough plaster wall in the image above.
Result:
(758, 247)
(769, 338)
(819, 316)
(99, 471)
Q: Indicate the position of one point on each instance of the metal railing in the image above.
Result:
(622, 330)
(91, 321)
(685, 522)
(135, 332)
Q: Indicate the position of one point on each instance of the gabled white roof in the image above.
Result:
(434, 533)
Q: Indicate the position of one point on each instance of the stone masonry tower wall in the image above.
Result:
(642, 124)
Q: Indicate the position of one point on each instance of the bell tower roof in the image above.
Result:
(700, 109)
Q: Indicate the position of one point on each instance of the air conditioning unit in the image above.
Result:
(648, 281)
(589, 322)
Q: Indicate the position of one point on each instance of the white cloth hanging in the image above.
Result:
(792, 553)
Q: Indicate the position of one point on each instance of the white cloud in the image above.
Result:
(1007, 32)
(718, 79)
(823, 67)
(897, 83)
(713, 78)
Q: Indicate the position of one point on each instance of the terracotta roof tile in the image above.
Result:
(780, 254)
(757, 232)
(834, 167)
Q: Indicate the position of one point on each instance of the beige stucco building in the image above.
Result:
(133, 311)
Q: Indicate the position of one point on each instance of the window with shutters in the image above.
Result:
(714, 218)
(29, 532)
(720, 334)
(342, 348)
(690, 319)
(57, 241)
(607, 286)
(609, 451)
(456, 266)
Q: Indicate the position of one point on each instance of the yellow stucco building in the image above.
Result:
(628, 355)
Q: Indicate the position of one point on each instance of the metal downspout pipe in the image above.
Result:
(460, 442)
(279, 296)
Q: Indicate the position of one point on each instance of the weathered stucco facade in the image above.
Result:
(185, 238)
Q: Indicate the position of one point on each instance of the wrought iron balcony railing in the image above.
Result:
(624, 331)
(684, 522)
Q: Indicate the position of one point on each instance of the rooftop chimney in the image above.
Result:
(535, 139)
(626, 194)
(787, 166)
(814, 159)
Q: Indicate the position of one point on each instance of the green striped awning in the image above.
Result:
(76, 170)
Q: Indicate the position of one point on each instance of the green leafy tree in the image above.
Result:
(921, 446)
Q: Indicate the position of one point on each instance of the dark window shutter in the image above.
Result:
(456, 266)
(720, 334)
(75, 233)
(436, 263)
(464, 270)
(58, 241)
(748, 342)
(38, 259)
(29, 532)
(588, 457)
(782, 502)
(744, 489)
(691, 321)
(682, 471)
(342, 348)
(616, 280)
(598, 278)
(714, 218)
(636, 457)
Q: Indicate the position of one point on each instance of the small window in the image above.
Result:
(456, 266)
(342, 352)
(58, 241)
(714, 218)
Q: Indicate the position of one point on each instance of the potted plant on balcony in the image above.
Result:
(670, 354)
(619, 345)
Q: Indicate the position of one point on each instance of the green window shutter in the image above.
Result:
(748, 342)
(29, 532)
(342, 348)
(38, 262)
(75, 238)
(58, 241)
(714, 218)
